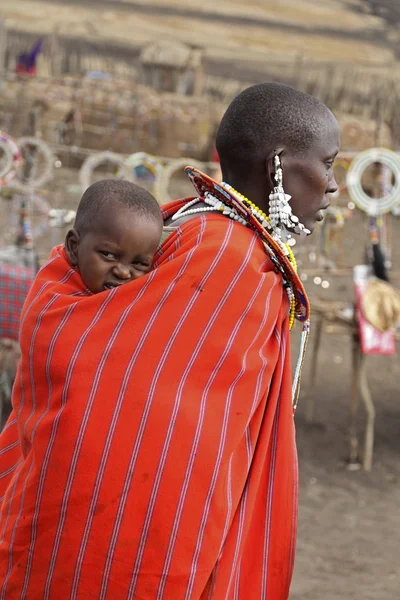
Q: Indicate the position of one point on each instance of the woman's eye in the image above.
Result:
(108, 255)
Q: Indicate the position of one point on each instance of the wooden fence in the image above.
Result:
(362, 90)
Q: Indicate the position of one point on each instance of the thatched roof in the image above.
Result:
(166, 54)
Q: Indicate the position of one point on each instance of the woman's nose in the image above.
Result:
(332, 186)
(122, 271)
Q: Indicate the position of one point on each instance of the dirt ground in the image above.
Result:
(349, 520)
(349, 525)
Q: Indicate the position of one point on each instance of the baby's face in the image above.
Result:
(120, 249)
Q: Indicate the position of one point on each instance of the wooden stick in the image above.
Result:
(353, 439)
(370, 410)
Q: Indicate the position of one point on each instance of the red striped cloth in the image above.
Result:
(151, 449)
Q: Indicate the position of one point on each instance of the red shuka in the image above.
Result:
(151, 450)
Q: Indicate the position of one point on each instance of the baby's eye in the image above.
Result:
(108, 255)
(141, 265)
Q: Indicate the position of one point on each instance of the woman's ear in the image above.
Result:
(71, 246)
(270, 165)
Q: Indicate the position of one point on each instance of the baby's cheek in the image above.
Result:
(137, 274)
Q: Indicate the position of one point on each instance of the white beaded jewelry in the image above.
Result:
(186, 210)
(223, 208)
(214, 205)
(280, 212)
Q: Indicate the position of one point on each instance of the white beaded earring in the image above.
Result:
(280, 212)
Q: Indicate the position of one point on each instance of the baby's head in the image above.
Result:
(116, 233)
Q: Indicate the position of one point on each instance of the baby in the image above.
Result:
(116, 233)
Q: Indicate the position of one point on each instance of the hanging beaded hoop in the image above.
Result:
(43, 156)
(94, 160)
(13, 159)
(152, 164)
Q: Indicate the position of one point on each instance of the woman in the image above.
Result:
(156, 457)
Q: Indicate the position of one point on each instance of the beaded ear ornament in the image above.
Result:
(282, 219)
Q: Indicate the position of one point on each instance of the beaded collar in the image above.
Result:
(223, 198)
(280, 258)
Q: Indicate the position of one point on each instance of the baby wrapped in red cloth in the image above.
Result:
(141, 459)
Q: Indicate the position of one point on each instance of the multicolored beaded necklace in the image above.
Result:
(263, 218)
(226, 200)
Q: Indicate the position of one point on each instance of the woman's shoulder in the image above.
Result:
(215, 235)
